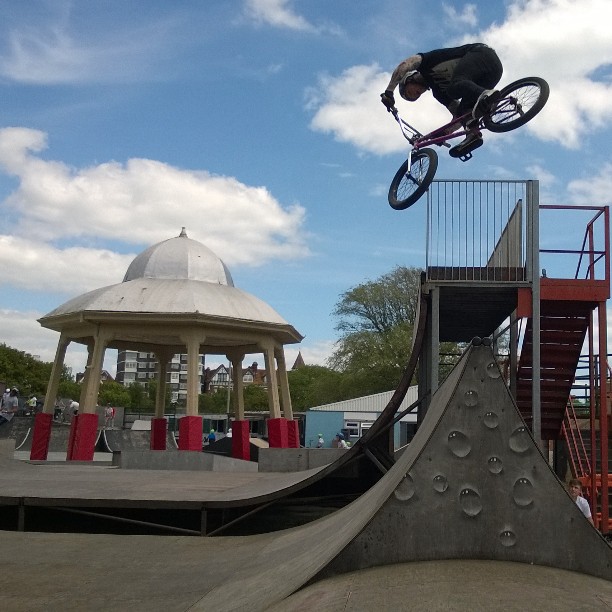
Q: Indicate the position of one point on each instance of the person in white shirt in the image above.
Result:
(10, 406)
(574, 487)
(340, 441)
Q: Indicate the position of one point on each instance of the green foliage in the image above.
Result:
(69, 389)
(213, 403)
(313, 386)
(255, 398)
(29, 375)
(376, 321)
(380, 305)
(139, 400)
(114, 394)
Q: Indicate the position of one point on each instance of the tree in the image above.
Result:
(314, 385)
(138, 401)
(113, 393)
(28, 374)
(213, 403)
(380, 305)
(376, 321)
(255, 398)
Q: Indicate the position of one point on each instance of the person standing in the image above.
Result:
(340, 441)
(574, 487)
(31, 405)
(108, 416)
(320, 441)
(10, 406)
(5, 396)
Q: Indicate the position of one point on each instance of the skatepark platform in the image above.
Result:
(468, 517)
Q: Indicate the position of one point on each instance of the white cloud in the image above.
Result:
(277, 13)
(595, 190)
(62, 212)
(466, 17)
(49, 50)
(21, 330)
(349, 107)
(41, 267)
(567, 55)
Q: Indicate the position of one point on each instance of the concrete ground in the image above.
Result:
(78, 572)
(455, 585)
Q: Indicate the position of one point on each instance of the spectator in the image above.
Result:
(31, 405)
(58, 411)
(340, 441)
(108, 416)
(74, 408)
(575, 489)
(5, 396)
(320, 441)
(212, 436)
(10, 406)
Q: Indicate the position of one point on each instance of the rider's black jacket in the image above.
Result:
(437, 68)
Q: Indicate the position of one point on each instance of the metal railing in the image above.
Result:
(591, 260)
(478, 230)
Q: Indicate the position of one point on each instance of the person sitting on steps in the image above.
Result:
(460, 78)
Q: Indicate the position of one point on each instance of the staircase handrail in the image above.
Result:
(588, 254)
(581, 466)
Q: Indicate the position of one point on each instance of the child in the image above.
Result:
(575, 489)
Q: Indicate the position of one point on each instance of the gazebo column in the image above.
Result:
(84, 426)
(43, 420)
(241, 438)
(293, 431)
(277, 426)
(190, 427)
(159, 425)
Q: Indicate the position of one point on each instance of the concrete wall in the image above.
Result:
(296, 459)
(182, 460)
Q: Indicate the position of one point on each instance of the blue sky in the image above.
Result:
(257, 125)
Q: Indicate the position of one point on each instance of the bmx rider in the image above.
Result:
(460, 78)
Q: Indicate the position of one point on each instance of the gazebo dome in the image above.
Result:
(179, 258)
(177, 280)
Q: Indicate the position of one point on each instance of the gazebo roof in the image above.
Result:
(178, 281)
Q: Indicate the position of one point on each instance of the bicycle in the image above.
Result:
(519, 102)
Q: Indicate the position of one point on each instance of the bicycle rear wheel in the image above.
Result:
(520, 102)
(407, 185)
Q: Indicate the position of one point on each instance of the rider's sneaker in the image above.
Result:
(472, 141)
(485, 103)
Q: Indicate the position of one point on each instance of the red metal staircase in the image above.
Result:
(563, 327)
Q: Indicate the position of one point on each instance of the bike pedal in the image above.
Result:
(465, 152)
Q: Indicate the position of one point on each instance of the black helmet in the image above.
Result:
(413, 76)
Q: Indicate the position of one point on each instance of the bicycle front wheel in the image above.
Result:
(409, 184)
(520, 102)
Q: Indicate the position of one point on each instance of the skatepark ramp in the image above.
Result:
(473, 484)
(114, 440)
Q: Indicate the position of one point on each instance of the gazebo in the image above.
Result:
(177, 296)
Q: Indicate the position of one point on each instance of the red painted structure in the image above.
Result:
(41, 436)
(241, 440)
(278, 436)
(83, 433)
(190, 433)
(159, 428)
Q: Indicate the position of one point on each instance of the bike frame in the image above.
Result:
(440, 136)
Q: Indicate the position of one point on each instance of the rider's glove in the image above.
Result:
(388, 100)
